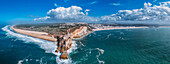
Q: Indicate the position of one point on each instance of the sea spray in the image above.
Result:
(108, 36)
(101, 51)
(89, 53)
(48, 46)
(20, 62)
(65, 61)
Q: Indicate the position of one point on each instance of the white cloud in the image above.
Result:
(146, 5)
(154, 0)
(55, 4)
(149, 12)
(33, 16)
(115, 4)
(41, 19)
(72, 13)
(87, 10)
(94, 2)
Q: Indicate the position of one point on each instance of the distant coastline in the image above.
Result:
(63, 38)
(62, 41)
(44, 35)
(41, 35)
(117, 28)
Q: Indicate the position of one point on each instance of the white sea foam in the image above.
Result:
(108, 36)
(82, 44)
(20, 62)
(48, 46)
(121, 38)
(101, 51)
(66, 61)
(24, 59)
(121, 33)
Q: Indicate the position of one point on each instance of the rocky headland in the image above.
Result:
(63, 39)
(63, 33)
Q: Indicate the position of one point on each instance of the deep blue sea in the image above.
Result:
(120, 46)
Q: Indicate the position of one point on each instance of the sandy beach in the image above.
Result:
(117, 28)
(41, 35)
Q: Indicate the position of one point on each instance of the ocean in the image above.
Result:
(119, 46)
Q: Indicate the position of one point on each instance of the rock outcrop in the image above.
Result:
(64, 55)
(64, 42)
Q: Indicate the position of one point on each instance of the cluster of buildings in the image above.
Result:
(100, 26)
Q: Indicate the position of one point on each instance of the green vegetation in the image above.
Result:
(55, 28)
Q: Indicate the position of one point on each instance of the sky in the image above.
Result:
(93, 10)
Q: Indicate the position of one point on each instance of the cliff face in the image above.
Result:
(78, 33)
(64, 42)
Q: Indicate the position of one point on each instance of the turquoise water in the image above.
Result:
(122, 46)
(129, 46)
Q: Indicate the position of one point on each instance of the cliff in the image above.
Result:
(63, 41)
(41, 35)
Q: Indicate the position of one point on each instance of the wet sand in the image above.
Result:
(41, 35)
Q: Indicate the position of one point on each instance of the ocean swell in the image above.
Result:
(101, 51)
(48, 46)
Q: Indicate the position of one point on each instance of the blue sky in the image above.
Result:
(14, 10)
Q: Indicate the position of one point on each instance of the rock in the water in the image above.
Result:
(69, 47)
(64, 56)
(59, 48)
(56, 51)
(62, 50)
(66, 48)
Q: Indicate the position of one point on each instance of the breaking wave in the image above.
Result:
(48, 46)
(88, 54)
(101, 51)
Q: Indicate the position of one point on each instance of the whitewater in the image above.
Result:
(48, 46)
(123, 46)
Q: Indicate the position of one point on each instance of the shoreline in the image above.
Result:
(117, 28)
(43, 35)
(36, 34)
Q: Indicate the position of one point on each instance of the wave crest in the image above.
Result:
(48, 46)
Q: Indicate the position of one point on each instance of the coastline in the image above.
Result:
(43, 35)
(40, 35)
(117, 28)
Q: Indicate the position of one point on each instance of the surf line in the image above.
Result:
(63, 42)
